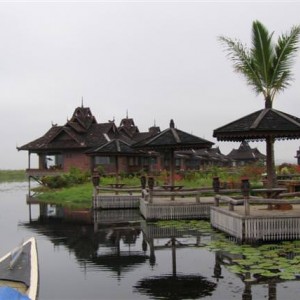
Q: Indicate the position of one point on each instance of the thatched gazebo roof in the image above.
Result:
(257, 126)
(174, 139)
(171, 140)
(267, 124)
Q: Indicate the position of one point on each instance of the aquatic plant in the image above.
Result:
(280, 261)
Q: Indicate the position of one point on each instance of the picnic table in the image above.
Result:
(270, 193)
(116, 185)
(172, 188)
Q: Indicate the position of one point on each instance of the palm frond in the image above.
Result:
(266, 66)
(285, 51)
(242, 62)
(262, 53)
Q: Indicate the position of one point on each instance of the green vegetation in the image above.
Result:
(74, 196)
(73, 177)
(12, 175)
(76, 187)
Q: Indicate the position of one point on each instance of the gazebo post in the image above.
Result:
(172, 168)
(271, 174)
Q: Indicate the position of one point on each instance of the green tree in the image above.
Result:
(266, 67)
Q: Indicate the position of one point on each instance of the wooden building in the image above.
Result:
(86, 144)
(73, 144)
(246, 155)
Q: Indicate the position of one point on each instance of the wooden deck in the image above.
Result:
(261, 224)
(178, 208)
(116, 198)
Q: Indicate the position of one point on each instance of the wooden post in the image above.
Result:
(216, 184)
(245, 187)
(95, 181)
(151, 186)
(198, 198)
(217, 202)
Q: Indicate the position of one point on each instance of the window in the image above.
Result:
(104, 160)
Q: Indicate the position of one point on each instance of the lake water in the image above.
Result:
(82, 256)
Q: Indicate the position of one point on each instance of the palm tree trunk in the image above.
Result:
(271, 174)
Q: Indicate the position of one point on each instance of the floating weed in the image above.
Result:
(256, 271)
(287, 276)
(280, 260)
(267, 273)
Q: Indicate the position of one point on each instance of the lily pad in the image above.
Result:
(287, 276)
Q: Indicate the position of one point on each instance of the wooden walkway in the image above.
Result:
(116, 198)
(247, 218)
(262, 223)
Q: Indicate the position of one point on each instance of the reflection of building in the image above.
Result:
(111, 246)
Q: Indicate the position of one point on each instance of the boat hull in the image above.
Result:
(19, 269)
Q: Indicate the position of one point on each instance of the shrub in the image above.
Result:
(73, 177)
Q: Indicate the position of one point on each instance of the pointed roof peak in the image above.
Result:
(172, 124)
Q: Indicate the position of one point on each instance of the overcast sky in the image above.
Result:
(158, 60)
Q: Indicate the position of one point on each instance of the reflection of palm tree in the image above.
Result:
(267, 68)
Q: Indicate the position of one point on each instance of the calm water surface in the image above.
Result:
(81, 256)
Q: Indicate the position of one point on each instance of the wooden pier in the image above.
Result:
(164, 205)
(257, 219)
(116, 198)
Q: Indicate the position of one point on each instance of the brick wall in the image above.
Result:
(77, 160)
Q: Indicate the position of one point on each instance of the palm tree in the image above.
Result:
(267, 68)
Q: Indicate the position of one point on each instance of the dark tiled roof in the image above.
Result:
(41, 142)
(245, 152)
(82, 119)
(259, 125)
(83, 132)
(114, 147)
(205, 154)
(172, 138)
(65, 137)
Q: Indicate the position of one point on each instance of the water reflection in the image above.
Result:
(120, 241)
(225, 258)
(176, 285)
(97, 239)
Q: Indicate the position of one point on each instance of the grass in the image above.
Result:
(80, 195)
(12, 175)
(75, 196)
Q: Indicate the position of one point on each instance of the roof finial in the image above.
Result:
(126, 113)
(154, 122)
(172, 124)
(81, 101)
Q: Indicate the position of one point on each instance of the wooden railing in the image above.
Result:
(232, 202)
(149, 195)
(117, 191)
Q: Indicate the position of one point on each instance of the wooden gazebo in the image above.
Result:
(263, 125)
(171, 140)
(118, 149)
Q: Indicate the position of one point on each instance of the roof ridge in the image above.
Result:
(175, 134)
(286, 116)
(259, 118)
